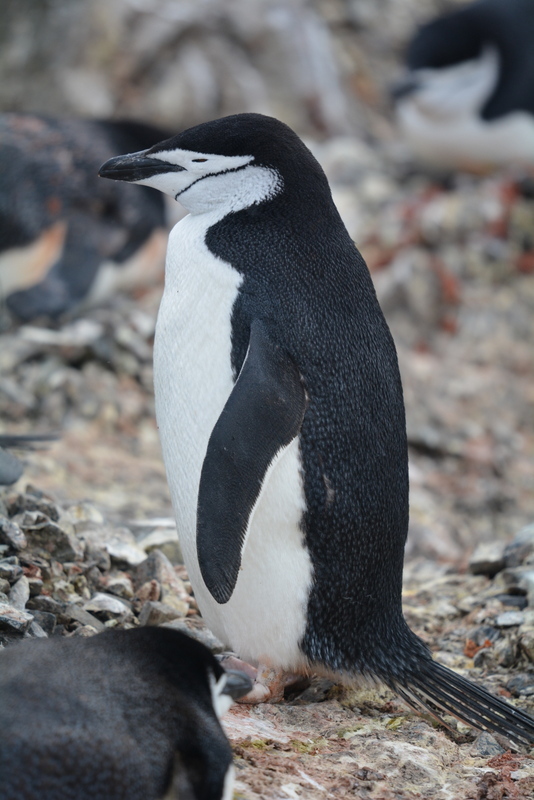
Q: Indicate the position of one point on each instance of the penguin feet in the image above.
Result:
(269, 683)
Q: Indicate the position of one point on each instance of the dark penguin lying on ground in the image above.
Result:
(280, 409)
(123, 715)
(11, 468)
(65, 237)
(468, 97)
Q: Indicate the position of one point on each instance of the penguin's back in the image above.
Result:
(312, 286)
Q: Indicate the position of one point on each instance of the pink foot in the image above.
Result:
(269, 683)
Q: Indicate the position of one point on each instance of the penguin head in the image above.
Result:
(230, 163)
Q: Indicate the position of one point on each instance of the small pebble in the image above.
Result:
(485, 745)
(521, 684)
(488, 559)
(107, 607)
(125, 554)
(520, 548)
(154, 613)
(11, 534)
(9, 571)
(166, 540)
(20, 593)
(13, 620)
(120, 585)
(509, 618)
(36, 631)
(82, 615)
(45, 620)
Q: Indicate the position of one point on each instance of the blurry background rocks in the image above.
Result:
(319, 64)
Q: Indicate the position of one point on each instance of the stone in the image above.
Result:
(13, 620)
(99, 555)
(36, 631)
(85, 631)
(119, 585)
(45, 620)
(125, 554)
(4, 586)
(83, 514)
(485, 746)
(505, 652)
(158, 567)
(519, 580)
(154, 613)
(33, 501)
(11, 572)
(508, 619)
(526, 643)
(107, 607)
(20, 593)
(520, 548)
(487, 559)
(46, 604)
(48, 538)
(11, 534)
(36, 586)
(521, 684)
(82, 615)
(166, 540)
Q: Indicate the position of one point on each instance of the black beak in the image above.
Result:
(237, 684)
(135, 167)
(405, 86)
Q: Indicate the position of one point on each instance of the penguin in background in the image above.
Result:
(467, 99)
(11, 468)
(65, 237)
(281, 415)
(122, 715)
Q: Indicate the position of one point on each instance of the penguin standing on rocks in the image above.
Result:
(280, 409)
(65, 238)
(123, 714)
(468, 96)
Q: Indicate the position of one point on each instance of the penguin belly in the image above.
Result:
(265, 618)
(468, 139)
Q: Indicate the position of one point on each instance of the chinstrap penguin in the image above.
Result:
(468, 96)
(123, 715)
(11, 467)
(66, 239)
(280, 409)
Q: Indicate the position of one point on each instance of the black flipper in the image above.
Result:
(263, 415)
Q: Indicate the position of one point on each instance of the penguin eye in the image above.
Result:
(200, 159)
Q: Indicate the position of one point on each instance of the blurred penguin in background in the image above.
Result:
(11, 467)
(467, 99)
(67, 238)
(123, 714)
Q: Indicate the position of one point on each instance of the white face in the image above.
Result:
(210, 181)
(457, 90)
(221, 702)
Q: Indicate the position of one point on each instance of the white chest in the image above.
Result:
(266, 615)
(192, 358)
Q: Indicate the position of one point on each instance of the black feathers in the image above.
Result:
(121, 715)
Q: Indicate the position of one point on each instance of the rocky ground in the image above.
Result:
(67, 571)
(452, 260)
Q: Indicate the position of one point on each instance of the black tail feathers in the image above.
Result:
(437, 689)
